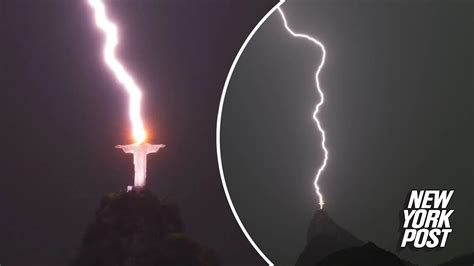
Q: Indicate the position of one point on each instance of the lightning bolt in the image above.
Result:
(121, 74)
(318, 105)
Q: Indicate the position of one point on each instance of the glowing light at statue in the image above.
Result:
(140, 152)
(140, 149)
(318, 105)
(134, 92)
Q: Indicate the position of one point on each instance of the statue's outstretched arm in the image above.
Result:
(155, 148)
(125, 148)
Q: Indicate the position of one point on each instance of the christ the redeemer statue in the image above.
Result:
(140, 151)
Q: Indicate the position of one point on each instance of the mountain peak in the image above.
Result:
(137, 228)
(322, 225)
(325, 237)
(368, 254)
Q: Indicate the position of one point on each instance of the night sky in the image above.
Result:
(62, 113)
(398, 116)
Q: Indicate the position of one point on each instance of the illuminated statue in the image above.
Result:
(140, 151)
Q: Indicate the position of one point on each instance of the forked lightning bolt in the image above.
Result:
(320, 103)
(134, 92)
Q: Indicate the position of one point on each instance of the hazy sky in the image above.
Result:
(398, 116)
(62, 113)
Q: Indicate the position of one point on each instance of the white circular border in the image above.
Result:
(218, 131)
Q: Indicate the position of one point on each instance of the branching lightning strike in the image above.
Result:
(319, 104)
(134, 92)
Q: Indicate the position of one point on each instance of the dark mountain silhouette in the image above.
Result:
(464, 260)
(331, 245)
(138, 229)
(322, 225)
(324, 237)
(366, 255)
